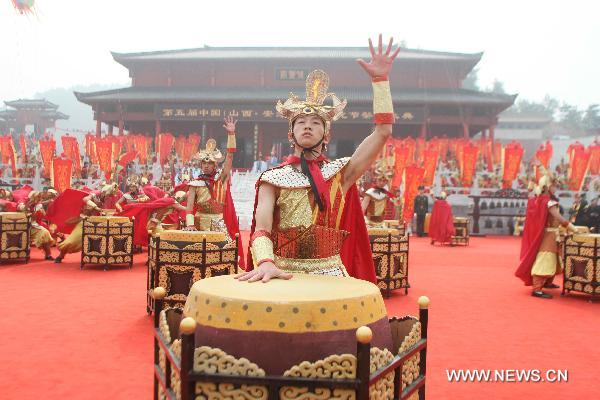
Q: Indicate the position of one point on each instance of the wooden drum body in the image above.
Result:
(390, 256)
(107, 240)
(582, 264)
(14, 236)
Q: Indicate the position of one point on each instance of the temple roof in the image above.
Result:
(31, 104)
(248, 95)
(8, 114)
(267, 53)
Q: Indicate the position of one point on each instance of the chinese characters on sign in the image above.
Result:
(288, 74)
(266, 113)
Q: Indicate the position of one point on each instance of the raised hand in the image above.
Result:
(381, 63)
(229, 124)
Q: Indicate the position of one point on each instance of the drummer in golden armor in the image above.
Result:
(133, 194)
(306, 207)
(207, 193)
(39, 232)
(377, 197)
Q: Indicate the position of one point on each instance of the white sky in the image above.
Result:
(534, 47)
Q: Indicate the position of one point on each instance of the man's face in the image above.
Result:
(208, 168)
(308, 130)
(380, 182)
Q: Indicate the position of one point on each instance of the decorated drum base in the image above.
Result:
(282, 323)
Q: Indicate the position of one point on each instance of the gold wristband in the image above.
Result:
(383, 107)
(262, 248)
(231, 143)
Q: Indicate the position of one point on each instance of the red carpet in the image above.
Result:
(77, 334)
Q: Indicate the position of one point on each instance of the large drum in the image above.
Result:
(107, 240)
(283, 323)
(582, 264)
(14, 236)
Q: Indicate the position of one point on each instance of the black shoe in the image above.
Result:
(551, 286)
(57, 260)
(542, 295)
(48, 258)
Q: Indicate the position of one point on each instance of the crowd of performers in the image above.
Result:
(305, 197)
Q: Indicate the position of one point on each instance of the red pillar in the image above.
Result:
(465, 130)
(156, 133)
(121, 127)
(423, 134)
(98, 128)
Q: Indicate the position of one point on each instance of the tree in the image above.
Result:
(470, 81)
(498, 87)
(591, 118)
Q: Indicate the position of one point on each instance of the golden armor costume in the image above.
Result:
(311, 220)
(376, 198)
(207, 193)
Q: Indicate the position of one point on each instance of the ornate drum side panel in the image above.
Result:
(582, 264)
(14, 236)
(390, 256)
(107, 240)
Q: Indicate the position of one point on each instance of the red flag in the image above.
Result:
(578, 167)
(104, 152)
(513, 154)
(127, 158)
(23, 145)
(469, 164)
(401, 153)
(61, 174)
(413, 176)
(165, 144)
(47, 149)
(430, 160)
(594, 158)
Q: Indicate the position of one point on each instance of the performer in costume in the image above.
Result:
(39, 233)
(441, 224)
(306, 207)
(153, 192)
(133, 195)
(70, 208)
(376, 198)
(150, 214)
(207, 194)
(540, 261)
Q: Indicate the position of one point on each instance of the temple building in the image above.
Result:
(39, 113)
(185, 91)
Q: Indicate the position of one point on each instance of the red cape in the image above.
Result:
(21, 195)
(65, 207)
(9, 206)
(231, 222)
(527, 239)
(356, 251)
(535, 225)
(142, 212)
(153, 192)
(441, 224)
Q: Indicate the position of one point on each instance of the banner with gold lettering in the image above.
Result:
(594, 150)
(9, 156)
(165, 144)
(413, 176)
(180, 144)
(141, 145)
(469, 163)
(61, 173)
(497, 152)
(401, 154)
(543, 154)
(47, 150)
(23, 145)
(104, 152)
(578, 167)
(430, 160)
(71, 150)
(513, 154)
(192, 147)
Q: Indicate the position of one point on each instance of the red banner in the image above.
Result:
(497, 148)
(513, 154)
(71, 151)
(180, 144)
(594, 150)
(468, 164)
(401, 155)
(430, 160)
(192, 147)
(543, 154)
(61, 174)
(578, 167)
(413, 176)
(165, 144)
(104, 152)
(23, 145)
(9, 156)
(47, 150)
(141, 145)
